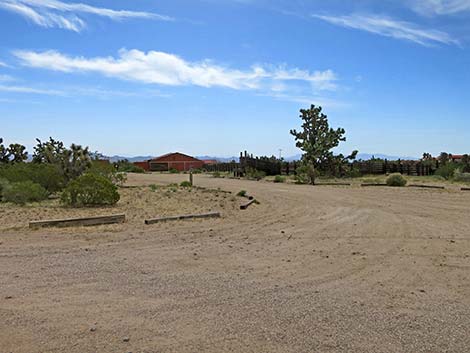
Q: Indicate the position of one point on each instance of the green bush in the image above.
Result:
(90, 190)
(153, 187)
(125, 166)
(4, 184)
(108, 171)
(185, 184)
(301, 176)
(46, 175)
(353, 173)
(24, 192)
(461, 177)
(174, 171)
(216, 175)
(279, 179)
(242, 193)
(255, 174)
(396, 179)
(447, 170)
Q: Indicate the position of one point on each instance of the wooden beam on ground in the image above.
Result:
(373, 184)
(334, 184)
(246, 205)
(74, 222)
(465, 189)
(178, 218)
(426, 186)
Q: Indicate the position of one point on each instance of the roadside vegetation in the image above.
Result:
(73, 174)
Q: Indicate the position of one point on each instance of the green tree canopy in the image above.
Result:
(316, 139)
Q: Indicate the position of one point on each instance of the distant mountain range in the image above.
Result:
(360, 156)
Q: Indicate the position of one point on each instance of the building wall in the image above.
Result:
(144, 165)
(176, 161)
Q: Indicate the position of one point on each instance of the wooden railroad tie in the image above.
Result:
(333, 184)
(426, 186)
(73, 222)
(178, 218)
(373, 184)
(246, 205)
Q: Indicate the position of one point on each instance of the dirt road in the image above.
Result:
(309, 269)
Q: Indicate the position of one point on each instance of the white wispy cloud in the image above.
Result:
(5, 78)
(54, 13)
(2, 64)
(389, 27)
(75, 91)
(161, 68)
(440, 7)
(31, 90)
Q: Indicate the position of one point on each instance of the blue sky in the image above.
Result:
(216, 77)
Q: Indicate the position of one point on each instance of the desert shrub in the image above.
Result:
(196, 171)
(153, 187)
(216, 175)
(108, 171)
(447, 170)
(132, 169)
(24, 192)
(124, 166)
(396, 179)
(4, 184)
(461, 177)
(46, 175)
(174, 171)
(242, 193)
(255, 174)
(279, 179)
(353, 173)
(185, 184)
(90, 190)
(301, 175)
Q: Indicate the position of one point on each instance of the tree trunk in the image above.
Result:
(311, 174)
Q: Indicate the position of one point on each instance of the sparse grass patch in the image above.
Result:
(185, 184)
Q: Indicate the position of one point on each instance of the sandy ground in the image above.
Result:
(309, 269)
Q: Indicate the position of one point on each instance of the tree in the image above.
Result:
(17, 153)
(465, 164)
(317, 139)
(71, 162)
(444, 158)
(4, 155)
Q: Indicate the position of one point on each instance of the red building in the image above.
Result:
(179, 161)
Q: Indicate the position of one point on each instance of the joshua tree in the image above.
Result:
(15, 153)
(72, 162)
(317, 139)
(4, 156)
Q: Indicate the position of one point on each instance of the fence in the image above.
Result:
(416, 168)
(273, 166)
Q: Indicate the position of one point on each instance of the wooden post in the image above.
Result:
(191, 177)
